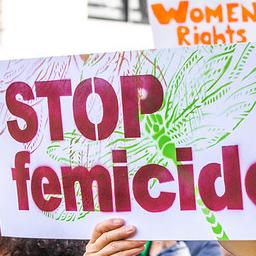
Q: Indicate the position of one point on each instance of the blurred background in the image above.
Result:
(119, 10)
(33, 28)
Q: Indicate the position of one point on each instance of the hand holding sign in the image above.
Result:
(109, 239)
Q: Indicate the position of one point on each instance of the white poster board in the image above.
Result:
(162, 138)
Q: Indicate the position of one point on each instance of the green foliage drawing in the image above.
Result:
(216, 227)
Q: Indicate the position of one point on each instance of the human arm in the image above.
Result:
(240, 248)
(109, 239)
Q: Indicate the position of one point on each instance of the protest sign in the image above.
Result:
(162, 138)
(193, 22)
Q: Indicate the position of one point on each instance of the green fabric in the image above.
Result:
(146, 250)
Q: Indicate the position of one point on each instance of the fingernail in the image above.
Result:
(117, 221)
(130, 229)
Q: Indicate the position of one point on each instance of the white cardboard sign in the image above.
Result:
(162, 138)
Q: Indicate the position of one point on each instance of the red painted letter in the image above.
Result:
(250, 183)
(110, 109)
(21, 110)
(51, 188)
(121, 181)
(85, 179)
(144, 93)
(232, 197)
(21, 175)
(186, 180)
(140, 188)
(52, 90)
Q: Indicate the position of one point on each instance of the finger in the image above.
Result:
(121, 246)
(132, 252)
(105, 226)
(114, 235)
